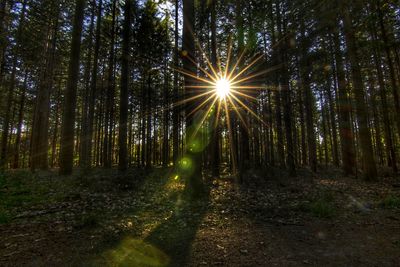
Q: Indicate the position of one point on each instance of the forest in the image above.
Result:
(199, 133)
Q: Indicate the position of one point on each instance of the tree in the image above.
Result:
(123, 113)
(176, 109)
(215, 143)
(67, 133)
(194, 172)
(40, 128)
(369, 166)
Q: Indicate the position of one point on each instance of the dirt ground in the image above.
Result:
(103, 219)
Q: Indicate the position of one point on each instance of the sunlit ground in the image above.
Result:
(136, 252)
(168, 223)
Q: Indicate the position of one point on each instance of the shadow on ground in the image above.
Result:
(163, 229)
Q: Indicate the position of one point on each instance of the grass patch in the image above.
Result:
(4, 217)
(390, 202)
(323, 206)
(23, 189)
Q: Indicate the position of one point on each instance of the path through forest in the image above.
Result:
(103, 219)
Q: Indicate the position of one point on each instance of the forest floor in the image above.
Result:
(104, 219)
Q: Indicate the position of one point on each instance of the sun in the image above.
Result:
(223, 88)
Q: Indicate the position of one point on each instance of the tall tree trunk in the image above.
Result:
(344, 107)
(165, 140)
(285, 87)
(148, 95)
(87, 140)
(369, 167)
(332, 114)
(192, 163)
(309, 101)
(86, 93)
(391, 153)
(109, 95)
(216, 129)
(277, 95)
(40, 128)
(302, 127)
(123, 109)
(244, 146)
(67, 132)
(176, 109)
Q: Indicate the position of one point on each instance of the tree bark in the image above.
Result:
(369, 167)
(309, 102)
(40, 128)
(192, 163)
(176, 109)
(123, 111)
(215, 127)
(67, 132)
(108, 122)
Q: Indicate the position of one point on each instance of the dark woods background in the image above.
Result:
(93, 83)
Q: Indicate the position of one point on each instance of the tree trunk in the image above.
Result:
(191, 164)
(215, 127)
(67, 132)
(391, 153)
(40, 129)
(244, 146)
(309, 101)
(370, 172)
(109, 95)
(176, 109)
(123, 109)
(344, 107)
(86, 92)
(87, 142)
(285, 88)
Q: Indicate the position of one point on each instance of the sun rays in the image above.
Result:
(224, 88)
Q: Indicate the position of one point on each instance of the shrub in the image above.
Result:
(390, 202)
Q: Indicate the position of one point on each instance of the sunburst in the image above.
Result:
(222, 88)
(225, 86)
(228, 88)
